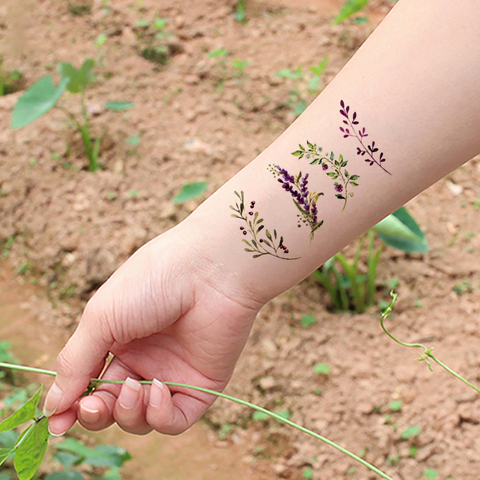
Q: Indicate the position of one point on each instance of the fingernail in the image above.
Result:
(156, 393)
(89, 415)
(52, 401)
(129, 395)
(56, 434)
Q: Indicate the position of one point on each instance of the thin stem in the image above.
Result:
(97, 381)
(427, 352)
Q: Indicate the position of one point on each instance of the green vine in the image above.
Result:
(41, 447)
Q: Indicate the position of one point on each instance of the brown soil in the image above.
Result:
(67, 229)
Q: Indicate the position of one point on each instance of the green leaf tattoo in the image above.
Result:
(258, 240)
(334, 168)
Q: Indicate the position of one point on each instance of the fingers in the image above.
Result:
(81, 359)
(173, 414)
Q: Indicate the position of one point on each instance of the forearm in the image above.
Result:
(414, 89)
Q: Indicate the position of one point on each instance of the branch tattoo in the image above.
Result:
(259, 240)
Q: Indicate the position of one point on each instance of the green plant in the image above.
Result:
(303, 85)
(351, 7)
(225, 69)
(308, 320)
(153, 37)
(9, 81)
(39, 428)
(43, 95)
(322, 368)
(190, 191)
(240, 13)
(347, 286)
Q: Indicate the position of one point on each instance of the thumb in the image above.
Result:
(82, 358)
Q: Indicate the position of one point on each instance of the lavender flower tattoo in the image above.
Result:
(304, 200)
(336, 169)
(369, 150)
(260, 241)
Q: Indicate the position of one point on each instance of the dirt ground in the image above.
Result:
(198, 118)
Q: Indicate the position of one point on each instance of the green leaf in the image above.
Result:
(354, 177)
(349, 8)
(396, 405)
(67, 459)
(31, 450)
(399, 230)
(410, 432)
(6, 476)
(23, 414)
(308, 320)
(322, 368)
(430, 473)
(142, 22)
(100, 456)
(218, 52)
(284, 413)
(65, 475)
(39, 99)
(119, 106)
(190, 191)
(77, 79)
(5, 453)
(307, 473)
(260, 416)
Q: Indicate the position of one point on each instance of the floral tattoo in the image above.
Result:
(369, 151)
(304, 200)
(260, 241)
(335, 169)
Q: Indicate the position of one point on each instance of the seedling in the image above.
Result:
(153, 37)
(308, 321)
(190, 191)
(350, 8)
(10, 82)
(307, 473)
(348, 287)
(304, 86)
(240, 13)
(411, 432)
(430, 473)
(43, 95)
(225, 69)
(322, 368)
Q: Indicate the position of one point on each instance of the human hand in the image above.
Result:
(164, 315)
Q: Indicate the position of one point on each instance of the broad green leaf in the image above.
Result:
(190, 191)
(31, 450)
(260, 416)
(23, 414)
(67, 459)
(284, 414)
(39, 99)
(65, 475)
(308, 320)
(349, 8)
(101, 456)
(410, 432)
(4, 454)
(110, 474)
(77, 79)
(322, 368)
(8, 439)
(119, 106)
(399, 230)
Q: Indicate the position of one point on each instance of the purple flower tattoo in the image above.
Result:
(335, 169)
(304, 200)
(351, 130)
(258, 239)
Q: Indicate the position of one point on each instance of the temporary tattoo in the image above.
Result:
(260, 241)
(351, 131)
(335, 169)
(305, 201)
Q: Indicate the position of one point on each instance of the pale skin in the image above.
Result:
(181, 308)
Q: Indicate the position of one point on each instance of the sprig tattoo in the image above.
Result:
(304, 200)
(370, 150)
(335, 169)
(260, 241)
